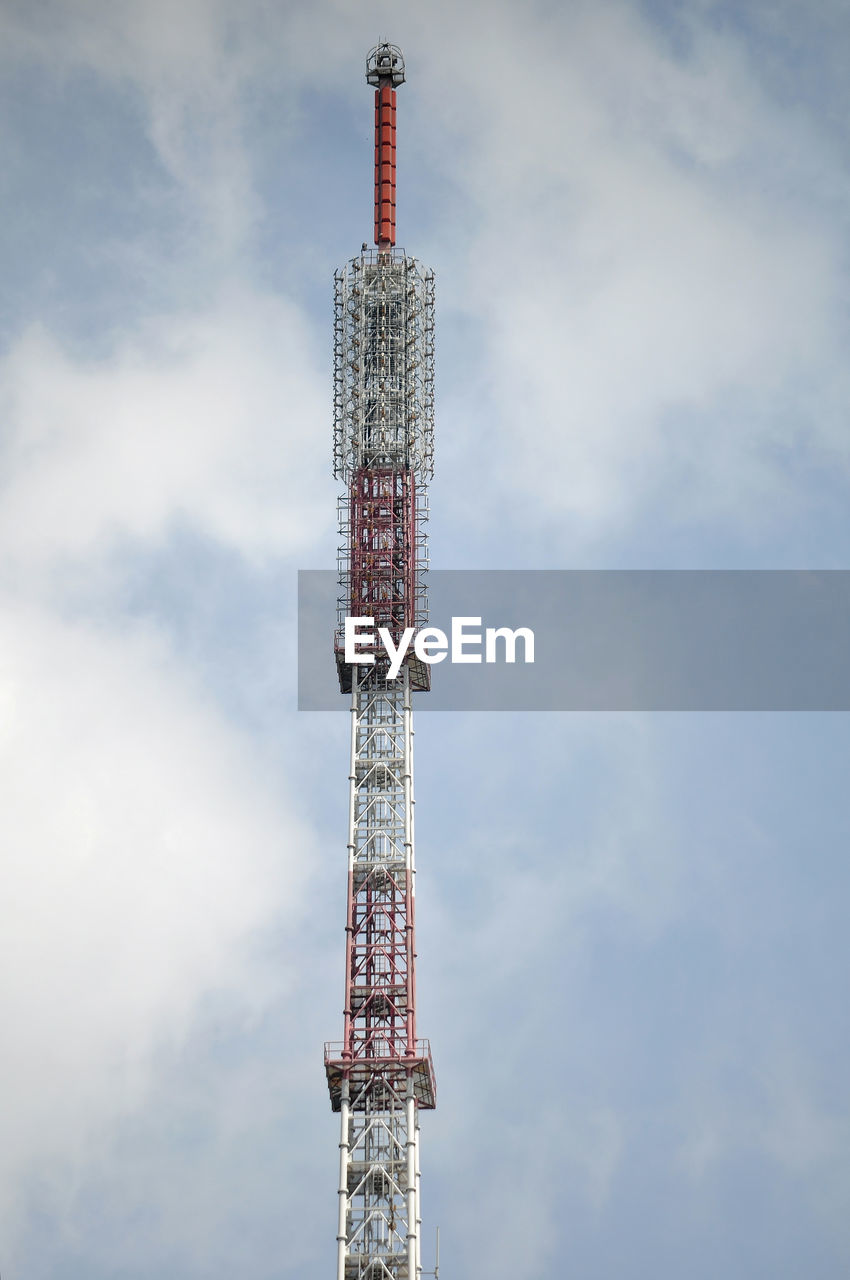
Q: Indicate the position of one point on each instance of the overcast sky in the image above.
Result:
(632, 928)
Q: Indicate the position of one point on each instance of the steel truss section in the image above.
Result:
(383, 364)
(380, 1076)
(382, 575)
(382, 562)
(383, 444)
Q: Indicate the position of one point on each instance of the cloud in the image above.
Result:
(148, 850)
(144, 847)
(213, 421)
(636, 248)
(184, 69)
(647, 237)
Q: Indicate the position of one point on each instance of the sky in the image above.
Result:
(632, 935)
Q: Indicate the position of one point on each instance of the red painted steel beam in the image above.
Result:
(385, 108)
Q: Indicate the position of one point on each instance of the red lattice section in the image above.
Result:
(383, 548)
(382, 577)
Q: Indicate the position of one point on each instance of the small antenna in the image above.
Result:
(436, 1272)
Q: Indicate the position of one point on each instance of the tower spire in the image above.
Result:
(385, 70)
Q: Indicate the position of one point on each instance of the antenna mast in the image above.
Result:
(380, 1076)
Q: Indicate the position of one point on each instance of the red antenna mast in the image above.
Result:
(385, 70)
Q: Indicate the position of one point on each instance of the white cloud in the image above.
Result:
(625, 225)
(214, 420)
(146, 849)
(143, 847)
(649, 241)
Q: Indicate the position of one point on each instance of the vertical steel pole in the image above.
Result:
(409, 864)
(342, 1222)
(418, 1202)
(411, 1181)
(349, 914)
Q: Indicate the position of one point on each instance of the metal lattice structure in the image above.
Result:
(384, 363)
(381, 1076)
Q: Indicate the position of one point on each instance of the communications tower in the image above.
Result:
(380, 1076)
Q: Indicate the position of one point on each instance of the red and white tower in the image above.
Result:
(380, 1076)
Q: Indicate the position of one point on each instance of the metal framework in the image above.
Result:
(383, 440)
(381, 1076)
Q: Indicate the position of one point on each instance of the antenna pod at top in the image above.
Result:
(385, 70)
(385, 62)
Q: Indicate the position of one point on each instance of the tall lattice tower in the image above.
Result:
(380, 1077)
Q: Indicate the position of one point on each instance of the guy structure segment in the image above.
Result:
(381, 1077)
